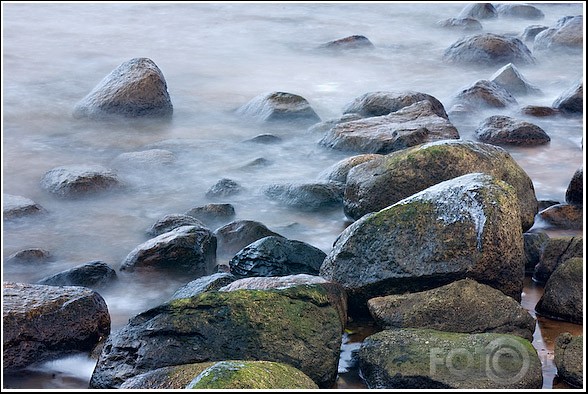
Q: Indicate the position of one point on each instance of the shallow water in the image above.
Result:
(216, 57)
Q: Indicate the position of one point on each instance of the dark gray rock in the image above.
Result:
(79, 181)
(206, 283)
(575, 189)
(95, 275)
(136, 88)
(307, 196)
(571, 101)
(519, 11)
(385, 102)
(530, 32)
(555, 251)
(33, 255)
(488, 49)
(213, 214)
(224, 188)
(279, 106)
(465, 24)
(349, 42)
(484, 94)
(479, 11)
(534, 245)
(505, 130)
(569, 358)
(18, 206)
(566, 36)
(172, 221)
(42, 323)
(234, 236)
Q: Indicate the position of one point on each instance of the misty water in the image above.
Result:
(215, 57)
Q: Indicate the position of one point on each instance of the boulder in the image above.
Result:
(519, 11)
(18, 206)
(349, 42)
(79, 180)
(280, 107)
(569, 358)
(95, 275)
(575, 189)
(136, 88)
(234, 236)
(488, 49)
(510, 78)
(306, 196)
(505, 130)
(214, 213)
(27, 256)
(385, 102)
(205, 283)
(166, 378)
(479, 11)
(465, 24)
(530, 32)
(224, 188)
(555, 251)
(172, 221)
(571, 101)
(483, 94)
(338, 171)
(566, 36)
(563, 216)
(534, 245)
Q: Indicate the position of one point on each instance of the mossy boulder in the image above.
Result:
(569, 358)
(297, 325)
(379, 183)
(450, 231)
(252, 375)
(431, 359)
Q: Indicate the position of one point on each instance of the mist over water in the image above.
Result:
(216, 57)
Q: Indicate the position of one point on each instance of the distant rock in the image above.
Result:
(172, 221)
(95, 275)
(479, 11)
(279, 106)
(520, 11)
(349, 42)
(18, 206)
(465, 24)
(79, 181)
(566, 36)
(224, 188)
(488, 49)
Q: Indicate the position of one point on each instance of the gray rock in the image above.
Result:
(510, 78)
(505, 130)
(323, 127)
(534, 245)
(279, 106)
(484, 94)
(206, 283)
(42, 323)
(462, 306)
(306, 196)
(575, 189)
(520, 11)
(95, 275)
(563, 216)
(79, 181)
(479, 11)
(213, 214)
(224, 188)
(530, 32)
(555, 251)
(349, 42)
(568, 358)
(488, 49)
(566, 36)
(172, 221)
(33, 255)
(18, 206)
(338, 171)
(234, 236)
(430, 359)
(136, 88)
(265, 139)
(442, 234)
(464, 24)
(146, 159)
(166, 378)
(571, 101)
(385, 102)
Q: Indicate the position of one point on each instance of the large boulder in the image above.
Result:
(431, 359)
(479, 11)
(95, 275)
(412, 125)
(488, 49)
(483, 94)
(378, 183)
(79, 180)
(41, 323)
(166, 378)
(136, 88)
(569, 358)
(571, 101)
(575, 189)
(279, 106)
(461, 306)
(566, 36)
(505, 130)
(385, 102)
(18, 206)
(296, 325)
(453, 230)
(213, 214)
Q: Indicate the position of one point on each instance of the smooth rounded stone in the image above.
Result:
(349, 42)
(29, 256)
(42, 323)
(555, 251)
(462, 306)
(338, 171)
(213, 214)
(234, 236)
(186, 251)
(569, 358)
(94, 275)
(453, 230)
(575, 189)
(465, 24)
(206, 283)
(379, 183)
(488, 49)
(385, 102)
(224, 188)
(277, 256)
(534, 245)
(479, 11)
(323, 127)
(279, 106)
(18, 206)
(510, 78)
(412, 125)
(79, 180)
(174, 377)
(530, 32)
(431, 359)
(297, 325)
(251, 375)
(570, 102)
(504, 130)
(306, 196)
(563, 216)
(563, 295)
(146, 159)
(484, 94)
(259, 162)
(266, 139)
(566, 36)
(136, 88)
(520, 11)
(172, 221)
(539, 111)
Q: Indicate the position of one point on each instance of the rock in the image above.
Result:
(484, 94)
(18, 206)
(534, 245)
(306, 196)
(172, 221)
(172, 377)
(513, 81)
(350, 42)
(277, 256)
(566, 36)
(297, 326)
(570, 102)
(379, 183)
(237, 234)
(409, 126)
(462, 306)
(265, 139)
(253, 375)
(136, 88)
(444, 233)
(430, 359)
(505, 130)
(479, 11)
(535, 110)
(323, 127)
(575, 189)
(568, 358)
(488, 49)
(42, 323)
(147, 159)
(79, 181)
(95, 275)
(530, 32)
(187, 252)
(224, 188)
(385, 102)
(563, 295)
(213, 214)
(338, 171)
(205, 283)
(563, 216)
(555, 251)
(465, 24)
(279, 106)
(521, 11)
(27, 256)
